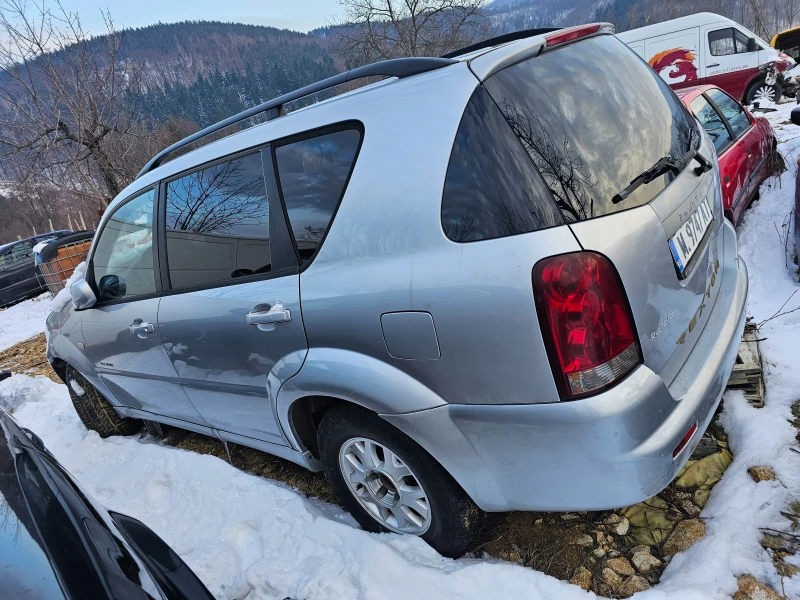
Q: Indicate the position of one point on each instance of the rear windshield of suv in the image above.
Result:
(593, 116)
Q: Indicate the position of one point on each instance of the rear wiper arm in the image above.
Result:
(663, 165)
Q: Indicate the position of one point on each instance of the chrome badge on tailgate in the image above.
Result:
(686, 240)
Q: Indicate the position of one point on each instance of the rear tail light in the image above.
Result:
(573, 33)
(586, 322)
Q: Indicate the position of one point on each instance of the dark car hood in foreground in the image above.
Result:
(25, 570)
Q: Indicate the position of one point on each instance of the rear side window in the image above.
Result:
(712, 122)
(123, 259)
(16, 255)
(217, 224)
(312, 175)
(732, 111)
(593, 116)
(492, 188)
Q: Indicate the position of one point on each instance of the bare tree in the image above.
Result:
(382, 29)
(68, 103)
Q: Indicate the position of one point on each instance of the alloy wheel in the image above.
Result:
(385, 486)
(765, 93)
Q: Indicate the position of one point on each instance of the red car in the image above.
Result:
(743, 144)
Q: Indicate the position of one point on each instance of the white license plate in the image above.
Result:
(687, 239)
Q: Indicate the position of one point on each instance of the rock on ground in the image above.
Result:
(684, 535)
(645, 562)
(582, 578)
(634, 584)
(761, 474)
(620, 565)
(750, 589)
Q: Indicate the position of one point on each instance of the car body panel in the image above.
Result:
(223, 363)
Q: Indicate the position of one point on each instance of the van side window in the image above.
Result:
(123, 260)
(492, 189)
(217, 224)
(312, 175)
(731, 110)
(16, 255)
(712, 122)
(727, 41)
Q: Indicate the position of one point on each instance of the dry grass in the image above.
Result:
(28, 357)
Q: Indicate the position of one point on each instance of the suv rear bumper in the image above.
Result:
(608, 451)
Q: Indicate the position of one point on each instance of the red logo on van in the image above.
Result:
(680, 61)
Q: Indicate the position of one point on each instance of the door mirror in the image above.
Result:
(795, 116)
(752, 45)
(112, 287)
(82, 295)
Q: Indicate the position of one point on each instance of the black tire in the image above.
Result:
(454, 516)
(95, 411)
(752, 90)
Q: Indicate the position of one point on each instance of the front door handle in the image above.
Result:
(263, 314)
(714, 65)
(141, 328)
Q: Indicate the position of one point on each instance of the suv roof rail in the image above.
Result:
(501, 39)
(396, 67)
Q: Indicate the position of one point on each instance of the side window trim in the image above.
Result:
(723, 120)
(713, 104)
(731, 37)
(160, 222)
(287, 255)
(90, 259)
(351, 125)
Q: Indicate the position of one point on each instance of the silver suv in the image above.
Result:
(495, 281)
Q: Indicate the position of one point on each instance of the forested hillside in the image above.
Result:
(205, 71)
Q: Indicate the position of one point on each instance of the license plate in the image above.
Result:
(686, 240)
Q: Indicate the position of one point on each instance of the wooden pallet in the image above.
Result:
(747, 374)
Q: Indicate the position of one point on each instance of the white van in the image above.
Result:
(706, 48)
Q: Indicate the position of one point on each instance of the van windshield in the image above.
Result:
(593, 116)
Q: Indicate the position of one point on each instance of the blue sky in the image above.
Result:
(301, 15)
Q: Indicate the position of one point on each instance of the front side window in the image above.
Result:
(217, 224)
(123, 260)
(731, 110)
(15, 256)
(492, 188)
(712, 122)
(312, 174)
(723, 42)
(589, 134)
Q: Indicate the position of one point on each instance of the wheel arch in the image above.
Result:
(332, 377)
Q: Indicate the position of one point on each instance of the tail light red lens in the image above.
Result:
(586, 322)
(573, 33)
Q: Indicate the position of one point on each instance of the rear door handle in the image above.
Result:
(261, 315)
(141, 328)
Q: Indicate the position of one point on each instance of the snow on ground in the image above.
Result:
(23, 320)
(248, 537)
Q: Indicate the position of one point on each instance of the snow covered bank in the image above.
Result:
(23, 320)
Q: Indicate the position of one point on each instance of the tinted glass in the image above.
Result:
(721, 42)
(218, 224)
(590, 134)
(731, 110)
(740, 41)
(312, 175)
(711, 121)
(17, 255)
(125, 249)
(492, 188)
